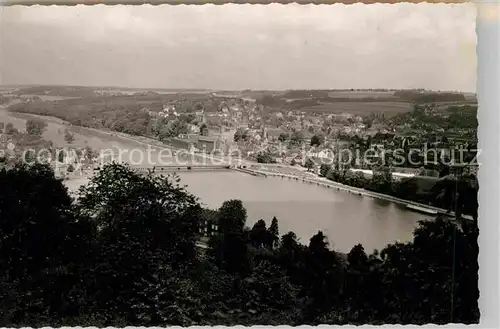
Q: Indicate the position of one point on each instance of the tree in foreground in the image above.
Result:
(273, 233)
(124, 254)
(232, 216)
(147, 229)
(43, 247)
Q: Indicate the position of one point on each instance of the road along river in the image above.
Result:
(346, 218)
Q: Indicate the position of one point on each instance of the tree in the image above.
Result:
(323, 276)
(444, 170)
(283, 137)
(316, 140)
(188, 118)
(309, 164)
(382, 180)
(147, 226)
(290, 254)
(125, 253)
(357, 257)
(458, 250)
(230, 248)
(318, 243)
(368, 120)
(265, 157)
(258, 234)
(35, 127)
(269, 295)
(9, 129)
(274, 233)
(42, 247)
(30, 156)
(129, 200)
(163, 131)
(170, 128)
(324, 169)
(458, 194)
(289, 241)
(204, 130)
(240, 135)
(297, 138)
(60, 156)
(234, 253)
(68, 137)
(232, 216)
(88, 154)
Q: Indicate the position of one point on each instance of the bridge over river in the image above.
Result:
(188, 168)
(179, 168)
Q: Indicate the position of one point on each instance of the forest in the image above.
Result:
(125, 114)
(431, 117)
(124, 251)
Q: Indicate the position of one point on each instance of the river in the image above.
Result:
(346, 218)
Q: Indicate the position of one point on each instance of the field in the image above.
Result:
(4, 89)
(157, 91)
(361, 102)
(45, 97)
(445, 105)
(362, 94)
(357, 102)
(361, 108)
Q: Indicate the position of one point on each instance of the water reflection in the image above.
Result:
(346, 218)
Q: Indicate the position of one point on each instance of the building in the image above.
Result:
(207, 144)
(465, 169)
(183, 143)
(193, 129)
(204, 131)
(271, 134)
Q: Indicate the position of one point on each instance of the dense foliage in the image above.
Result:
(25, 145)
(432, 117)
(126, 114)
(428, 97)
(4, 100)
(241, 135)
(124, 253)
(61, 91)
(265, 157)
(317, 140)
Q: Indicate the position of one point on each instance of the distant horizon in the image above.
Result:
(230, 90)
(237, 47)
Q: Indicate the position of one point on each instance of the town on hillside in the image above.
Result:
(287, 127)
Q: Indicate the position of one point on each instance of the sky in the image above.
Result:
(233, 46)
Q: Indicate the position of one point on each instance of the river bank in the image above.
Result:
(254, 168)
(324, 182)
(148, 142)
(346, 218)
